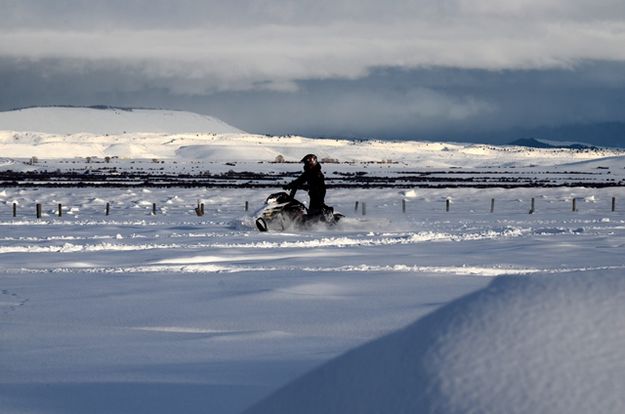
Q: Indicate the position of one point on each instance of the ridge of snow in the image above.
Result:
(558, 340)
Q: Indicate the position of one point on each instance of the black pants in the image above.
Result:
(315, 207)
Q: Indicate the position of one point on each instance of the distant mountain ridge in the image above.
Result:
(101, 107)
(530, 142)
(102, 119)
(535, 143)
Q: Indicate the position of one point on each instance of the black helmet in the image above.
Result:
(310, 161)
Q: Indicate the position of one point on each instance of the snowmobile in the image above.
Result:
(282, 211)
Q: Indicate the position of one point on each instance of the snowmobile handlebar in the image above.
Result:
(291, 189)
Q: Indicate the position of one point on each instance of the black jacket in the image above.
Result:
(314, 181)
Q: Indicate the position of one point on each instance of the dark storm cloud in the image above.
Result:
(447, 69)
(245, 44)
(434, 103)
(443, 103)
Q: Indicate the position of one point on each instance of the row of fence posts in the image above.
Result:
(532, 210)
(39, 209)
(199, 209)
(59, 211)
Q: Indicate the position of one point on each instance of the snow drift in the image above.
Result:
(543, 344)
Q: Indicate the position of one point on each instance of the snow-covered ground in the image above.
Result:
(209, 151)
(55, 133)
(133, 312)
(545, 344)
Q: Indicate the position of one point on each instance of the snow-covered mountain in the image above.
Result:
(66, 132)
(109, 120)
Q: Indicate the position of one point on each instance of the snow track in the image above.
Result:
(362, 268)
(338, 242)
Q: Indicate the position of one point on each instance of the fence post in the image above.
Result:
(247, 206)
(356, 206)
(613, 204)
(574, 206)
(153, 209)
(447, 203)
(199, 210)
(60, 210)
(532, 209)
(364, 208)
(14, 209)
(108, 209)
(403, 205)
(38, 210)
(492, 205)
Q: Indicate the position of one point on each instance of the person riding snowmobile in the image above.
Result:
(312, 178)
(282, 211)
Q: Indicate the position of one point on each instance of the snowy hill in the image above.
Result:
(550, 344)
(109, 120)
(62, 132)
(242, 147)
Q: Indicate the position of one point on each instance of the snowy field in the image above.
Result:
(142, 313)
(422, 310)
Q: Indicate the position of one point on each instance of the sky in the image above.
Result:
(484, 70)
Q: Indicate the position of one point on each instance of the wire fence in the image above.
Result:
(410, 207)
